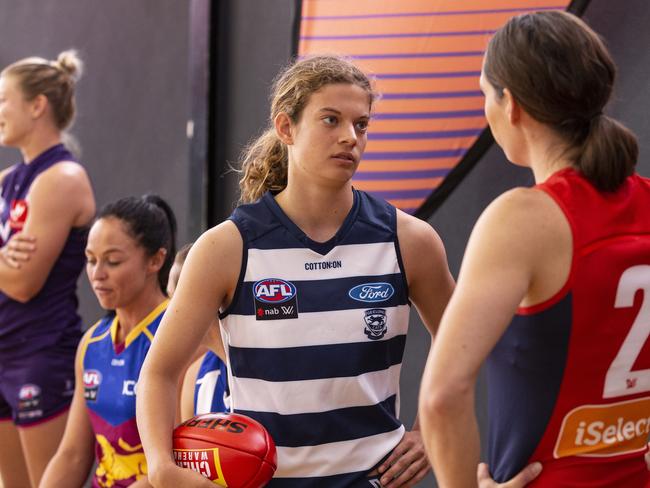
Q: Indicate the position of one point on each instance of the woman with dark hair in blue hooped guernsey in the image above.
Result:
(46, 206)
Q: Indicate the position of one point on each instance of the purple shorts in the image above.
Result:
(39, 386)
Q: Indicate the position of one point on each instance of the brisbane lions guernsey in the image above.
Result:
(110, 375)
(315, 337)
(569, 381)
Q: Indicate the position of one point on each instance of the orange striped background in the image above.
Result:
(426, 57)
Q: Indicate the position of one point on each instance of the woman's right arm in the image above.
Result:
(208, 281)
(187, 390)
(74, 457)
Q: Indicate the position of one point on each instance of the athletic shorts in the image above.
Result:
(39, 386)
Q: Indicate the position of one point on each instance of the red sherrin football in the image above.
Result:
(230, 449)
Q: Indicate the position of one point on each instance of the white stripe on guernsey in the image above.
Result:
(336, 457)
(292, 264)
(333, 393)
(331, 327)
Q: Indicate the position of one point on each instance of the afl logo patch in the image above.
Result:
(29, 400)
(372, 292)
(275, 299)
(376, 326)
(273, 290)
(29, 391)
(92, 379)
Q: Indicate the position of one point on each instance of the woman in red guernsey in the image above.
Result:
(554, 290)
(47, 196)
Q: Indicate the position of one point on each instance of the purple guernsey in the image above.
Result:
(51, 316)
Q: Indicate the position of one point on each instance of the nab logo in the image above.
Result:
(273, 290)
(372, 292)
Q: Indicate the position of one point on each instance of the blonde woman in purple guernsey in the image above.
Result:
(46, 206)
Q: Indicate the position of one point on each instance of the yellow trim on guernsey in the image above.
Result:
(141, 326)
(90, 338)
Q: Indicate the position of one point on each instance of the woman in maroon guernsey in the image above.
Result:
(45, 208)
(555, 284)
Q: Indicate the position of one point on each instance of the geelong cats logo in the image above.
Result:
(376, 326)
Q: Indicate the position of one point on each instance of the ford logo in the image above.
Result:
(274, 290)
(372, 292)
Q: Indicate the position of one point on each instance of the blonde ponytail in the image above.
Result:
(264, 166)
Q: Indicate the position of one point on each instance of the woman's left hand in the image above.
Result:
(407, 464)
(525, 476)
(18, 250)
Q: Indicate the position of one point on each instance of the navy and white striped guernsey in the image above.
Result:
(315, 337)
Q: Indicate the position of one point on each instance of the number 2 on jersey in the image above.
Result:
(620, 379)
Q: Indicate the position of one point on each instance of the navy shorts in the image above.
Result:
(39, 386)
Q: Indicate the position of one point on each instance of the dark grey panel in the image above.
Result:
(624, 26)
(132, 100)
(258, 45)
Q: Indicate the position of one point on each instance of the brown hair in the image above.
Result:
(264, 161)
(54, 79)
(562, 75)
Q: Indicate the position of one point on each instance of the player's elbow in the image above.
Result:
(441, 400)
(21, 292)
(24, 290)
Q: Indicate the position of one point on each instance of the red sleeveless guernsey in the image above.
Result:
(569, 382)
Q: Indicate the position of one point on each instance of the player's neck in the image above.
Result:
(132, 314)
(319, 212)
(37, 142)
(545, 152)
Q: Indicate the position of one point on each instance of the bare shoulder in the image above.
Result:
(417, 236)
(423, 254)
(524, 213)
(66, 190)
(66, 175)
(215, 259)
(219, 241)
